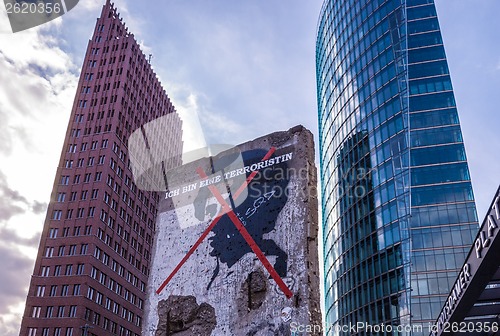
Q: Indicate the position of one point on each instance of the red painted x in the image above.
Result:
(226, 209)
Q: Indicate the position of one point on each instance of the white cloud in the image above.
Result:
(220, 128)
(193, 136)
(89, 5)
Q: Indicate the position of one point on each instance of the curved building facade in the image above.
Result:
(398, 209)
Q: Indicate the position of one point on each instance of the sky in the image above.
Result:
(244, 68)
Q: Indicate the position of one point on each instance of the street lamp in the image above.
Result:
(85, 329)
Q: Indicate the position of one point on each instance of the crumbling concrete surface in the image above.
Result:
(182, 316)
(254, 291)
(241, 295)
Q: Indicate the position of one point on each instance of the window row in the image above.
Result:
(71, 250)
(65, 290)
(33, 331)
(69, 269)
(67, 232)
(61, 196)
(79, 213)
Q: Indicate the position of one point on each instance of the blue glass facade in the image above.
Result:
(398, 210)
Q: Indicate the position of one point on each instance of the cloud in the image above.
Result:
(89, 5)
(12, 203)
(16, 264)
(33, 69)
(187, 107)
(221, 129)
(15, 281)
(250, 64)
(39, 208)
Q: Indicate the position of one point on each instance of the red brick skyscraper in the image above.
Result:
(94, 256)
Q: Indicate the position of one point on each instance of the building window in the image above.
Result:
(107, 305)
(64, 180)
(40, 291)
(84, 249)
(110, 181)
(116, 308)
(106, 198)
(105, 259)
(49, 252)
(32, 331)
(76, 290)
(64, 290)
(97, 253)
(98, 298)
(80, 269)
(69, 331)
(69, 269)
(102, 278)
(103, 216)
(88, 230)
(45, 332)
(56, 214)
(88, 314)
(35, 311)
(60, 311)
(80, 213)
(57, 270)
(49, 311)
(57, 332)
(45, 271)
(72, 311)
(111, 222)
(95, 193)
(61, 197)
(72, 250)
(90, 293)
(53, 233)
(53, 290)
(72, 196)
(84, 193)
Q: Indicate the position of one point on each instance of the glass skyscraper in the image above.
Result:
(398, 209)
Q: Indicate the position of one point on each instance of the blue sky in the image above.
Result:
(245, 68)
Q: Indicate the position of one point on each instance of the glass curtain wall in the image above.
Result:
(398, 209)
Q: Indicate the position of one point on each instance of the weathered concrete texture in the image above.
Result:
(253, 292)
(182, 316)
(224, 272)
